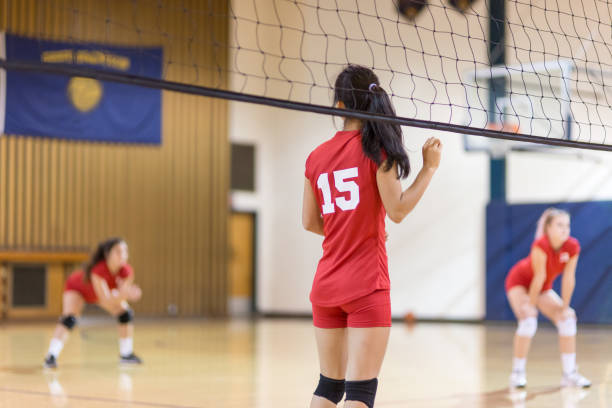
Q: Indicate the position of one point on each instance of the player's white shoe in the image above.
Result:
(518, 379)
(50, 361)
(575, 380)
(130, 359)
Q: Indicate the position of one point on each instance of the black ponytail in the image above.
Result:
(100, 254)
(358, 88)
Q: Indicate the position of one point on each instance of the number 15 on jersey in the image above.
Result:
(343, 186)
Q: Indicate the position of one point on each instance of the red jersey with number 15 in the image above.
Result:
(354, 262)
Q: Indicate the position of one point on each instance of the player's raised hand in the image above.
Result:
(432, 151)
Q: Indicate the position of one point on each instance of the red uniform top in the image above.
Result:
(354, 261)
(521, 274)
(76, 280)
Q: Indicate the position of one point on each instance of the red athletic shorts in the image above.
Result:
(75, 282)
(518, 277)
(373, 310)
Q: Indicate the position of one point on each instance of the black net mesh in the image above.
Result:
(433, 57)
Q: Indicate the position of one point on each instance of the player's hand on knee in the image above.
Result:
(566, 322)
(566, 313)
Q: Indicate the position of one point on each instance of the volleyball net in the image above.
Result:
(438, 59)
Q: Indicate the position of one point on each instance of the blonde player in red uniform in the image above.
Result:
(108, 281)
(352, 182)
(529, 289)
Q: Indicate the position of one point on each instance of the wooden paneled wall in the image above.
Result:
(170, 202)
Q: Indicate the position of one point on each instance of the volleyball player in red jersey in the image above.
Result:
(352, 182)
(108, 281)
(529, 289)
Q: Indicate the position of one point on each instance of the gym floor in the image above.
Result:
(272, 363)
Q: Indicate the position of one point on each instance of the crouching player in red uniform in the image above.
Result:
(529, 289)
(352, 182)
(108, 281)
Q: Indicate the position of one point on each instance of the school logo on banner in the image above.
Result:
(85, 93)
(76, 107)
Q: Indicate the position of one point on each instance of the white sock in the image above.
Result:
(518, 364)
(126, 346)
(55, 347)
(568, 361)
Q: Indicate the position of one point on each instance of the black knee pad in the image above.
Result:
(126, 317)
(69, 321)
(330, 389)
(363, 391)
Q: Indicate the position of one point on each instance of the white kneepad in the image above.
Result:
(527, 327)
(567, 327)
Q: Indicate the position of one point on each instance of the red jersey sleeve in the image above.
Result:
(573, 246)
(383, 158)
(99, 269)
(307, 170)
(125, 271)
(541, 243)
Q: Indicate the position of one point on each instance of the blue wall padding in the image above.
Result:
(509, 234)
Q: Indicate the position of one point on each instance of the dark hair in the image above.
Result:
(358, 88)
(100, 254)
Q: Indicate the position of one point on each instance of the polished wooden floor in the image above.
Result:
(273, 364)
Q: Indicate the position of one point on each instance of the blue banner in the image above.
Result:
(510, 233)
(81, 108)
